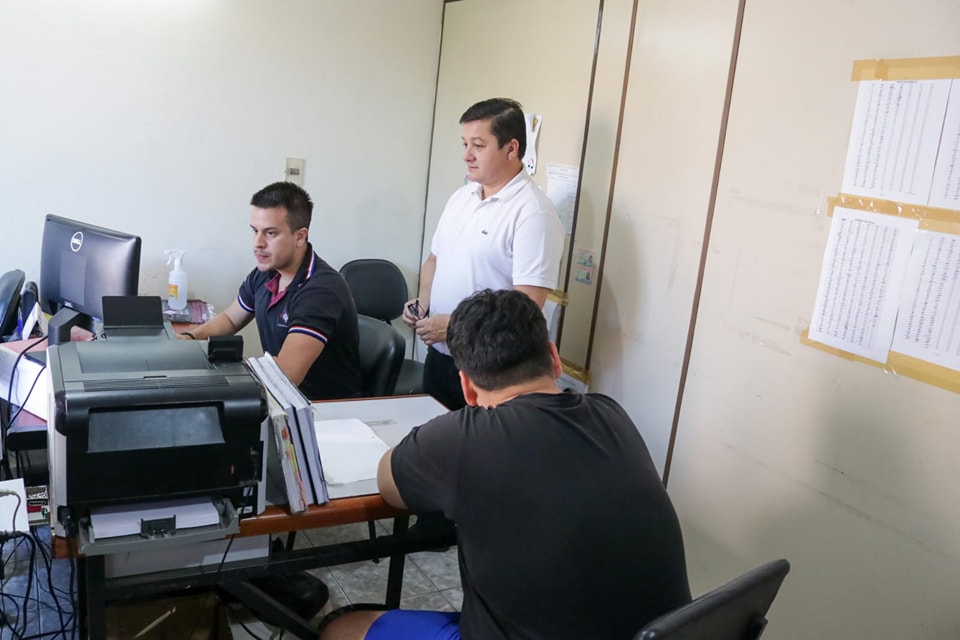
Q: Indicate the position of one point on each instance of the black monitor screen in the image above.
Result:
(80, 263)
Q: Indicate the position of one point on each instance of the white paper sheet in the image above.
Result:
(562, 190)
(929, 323)
(124, 520)
(894, 139)
(945, 192)
(860, 282)
(349, 450)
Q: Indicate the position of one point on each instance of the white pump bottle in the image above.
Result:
(177, 283)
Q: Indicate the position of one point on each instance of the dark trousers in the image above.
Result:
(441, 379)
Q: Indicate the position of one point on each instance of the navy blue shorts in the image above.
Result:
(405, 624)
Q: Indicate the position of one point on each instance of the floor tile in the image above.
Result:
(337, 597)
(332, 535)
(442, 568)
(427, 602)
(454, 597)
(367, 581)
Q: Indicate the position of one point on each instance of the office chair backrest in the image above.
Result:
(378, 287)
(735, 611)
(381, 356)
(10, 284)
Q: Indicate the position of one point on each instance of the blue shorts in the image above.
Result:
(406, 624)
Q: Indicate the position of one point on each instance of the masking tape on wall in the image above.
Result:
(559, 297)
(575, 372)
(898, 364)
(907, 69)
(929, 217)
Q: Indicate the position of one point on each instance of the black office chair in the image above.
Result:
(380, 291)
(381, 356)
(10, 284)
(735, 611)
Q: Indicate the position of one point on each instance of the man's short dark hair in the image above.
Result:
(506, 120)
(289, 196)
(499, 339)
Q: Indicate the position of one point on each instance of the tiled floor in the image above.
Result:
(431, 580)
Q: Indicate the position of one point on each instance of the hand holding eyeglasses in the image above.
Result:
(413, 312)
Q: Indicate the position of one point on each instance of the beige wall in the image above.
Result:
(671, 124)
(539, 53)
(782, 451)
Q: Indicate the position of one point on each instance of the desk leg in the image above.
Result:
(395, 572)
(91, 577)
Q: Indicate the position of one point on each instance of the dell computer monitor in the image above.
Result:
(79, 264)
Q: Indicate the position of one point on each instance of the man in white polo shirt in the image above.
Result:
(499, 231)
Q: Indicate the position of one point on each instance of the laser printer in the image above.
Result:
(133, 423)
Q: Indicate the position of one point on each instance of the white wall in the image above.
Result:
(163, 117)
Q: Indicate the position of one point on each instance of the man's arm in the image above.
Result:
(427, 271)
(434, 329)
(225, 323)
(385, 482)
(537, 294)
(297, 355)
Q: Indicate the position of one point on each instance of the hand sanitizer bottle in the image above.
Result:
(177, 284)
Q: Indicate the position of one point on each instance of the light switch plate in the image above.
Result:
(294, 170)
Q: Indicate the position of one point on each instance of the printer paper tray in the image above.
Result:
(229, 525)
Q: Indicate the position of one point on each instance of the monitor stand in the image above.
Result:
(58, 329)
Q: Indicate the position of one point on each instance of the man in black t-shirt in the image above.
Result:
(304, 311)
(565, 529)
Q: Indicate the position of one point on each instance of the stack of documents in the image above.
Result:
(291, 420)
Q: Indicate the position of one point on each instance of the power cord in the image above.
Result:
(47, 556)
(26, 596)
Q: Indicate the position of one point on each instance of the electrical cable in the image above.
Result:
(31, 568)
(4, 621)
(48, 564)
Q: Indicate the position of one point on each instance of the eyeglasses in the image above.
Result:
(416, 309)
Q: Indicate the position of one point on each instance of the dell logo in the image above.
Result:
(76, 241)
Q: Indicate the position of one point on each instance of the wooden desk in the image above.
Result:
(96, 590)
(393, 417)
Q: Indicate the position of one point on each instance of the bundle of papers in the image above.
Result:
(316, 455)
(291, 420)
